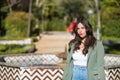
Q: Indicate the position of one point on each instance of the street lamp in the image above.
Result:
(90, 11)
(98, 19)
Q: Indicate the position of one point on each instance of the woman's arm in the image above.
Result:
(100, 60)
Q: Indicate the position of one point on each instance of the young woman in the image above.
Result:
(85, 60)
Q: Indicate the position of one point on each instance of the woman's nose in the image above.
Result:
(80, 30)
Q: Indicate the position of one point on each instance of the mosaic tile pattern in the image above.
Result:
(9, 73)
(112, 61)
(41, 73)
(50, 71)
(51, 59)
(113, 74)
(32, 60)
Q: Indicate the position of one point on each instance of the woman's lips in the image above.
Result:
(81, 34)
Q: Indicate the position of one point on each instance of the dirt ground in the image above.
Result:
(53, 42)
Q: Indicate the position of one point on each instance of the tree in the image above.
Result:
(110, 18)
(16, 25)
(29, 19)
(3, 14)
(11, 3)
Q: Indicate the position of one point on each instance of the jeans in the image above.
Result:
(79, 73)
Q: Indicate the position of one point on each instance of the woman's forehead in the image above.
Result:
(80, 25)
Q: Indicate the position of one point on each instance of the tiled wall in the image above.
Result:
(9, 73)
(41, 74)
(44, 73)
(49, 71)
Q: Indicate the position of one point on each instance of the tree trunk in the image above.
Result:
(29, 18)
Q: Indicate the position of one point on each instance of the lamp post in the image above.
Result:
(98, 19)
(90, 12)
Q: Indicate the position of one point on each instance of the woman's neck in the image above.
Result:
(82, 45)
(83, 40)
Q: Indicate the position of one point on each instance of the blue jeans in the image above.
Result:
(79, 73)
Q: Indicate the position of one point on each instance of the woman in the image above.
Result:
(85, 60)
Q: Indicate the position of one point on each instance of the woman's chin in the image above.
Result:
(82, 37)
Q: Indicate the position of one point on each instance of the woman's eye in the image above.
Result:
(77, 28)
(82, 27)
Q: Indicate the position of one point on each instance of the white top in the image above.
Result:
(79, 58)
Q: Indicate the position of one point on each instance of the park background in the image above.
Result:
(34, 37)
(22, 19)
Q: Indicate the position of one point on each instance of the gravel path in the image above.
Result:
(53, 42)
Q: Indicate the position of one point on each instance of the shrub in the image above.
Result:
(55, 25)
(111, 28)
(2, 48)
(110, 38)
(16, 24)
(15, 48)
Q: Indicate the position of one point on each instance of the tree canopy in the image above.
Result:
(54, 11)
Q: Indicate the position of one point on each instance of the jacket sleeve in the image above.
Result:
(100, 60)
(67, 75)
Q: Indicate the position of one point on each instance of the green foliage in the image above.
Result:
(3, 14)
(3, 6)
(114, 52)
(16, 25)
(75, 8)
(23, 5)
(110, 38)
(13, 49)
(111, 28)
(59, 11)
(110, 20)
(2, 48)
(56, 25)
(110, 12)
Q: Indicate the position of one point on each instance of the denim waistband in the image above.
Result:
(80, 66)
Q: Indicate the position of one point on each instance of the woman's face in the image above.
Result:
(81, 30)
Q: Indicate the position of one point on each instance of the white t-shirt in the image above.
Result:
(79, 58)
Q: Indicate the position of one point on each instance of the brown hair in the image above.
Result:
(90, 39)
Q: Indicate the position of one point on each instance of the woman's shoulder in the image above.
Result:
(99, 43)
(72, 42)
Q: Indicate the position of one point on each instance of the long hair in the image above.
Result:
(90, 39)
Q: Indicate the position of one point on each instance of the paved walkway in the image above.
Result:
(53, 42)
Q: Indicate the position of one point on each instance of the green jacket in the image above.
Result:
(95, 63)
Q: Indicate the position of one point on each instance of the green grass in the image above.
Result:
(110, 38)
(10, 38)
(14, 49)
(114, 52)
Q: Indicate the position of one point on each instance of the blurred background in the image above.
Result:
(34, 36)
(21, 19)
